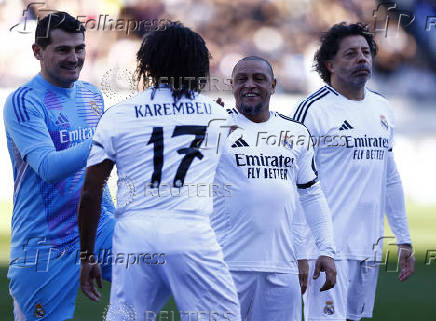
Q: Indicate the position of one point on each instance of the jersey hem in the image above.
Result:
(324, 318)
(253, 268)
(358, 317)
(98, 160)
(342, 257)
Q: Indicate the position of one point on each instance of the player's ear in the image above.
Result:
(273, 85)
(329, 65)
(37, 51)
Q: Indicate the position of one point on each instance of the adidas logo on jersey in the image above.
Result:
(346, 125)
(62, 120)
(240, 143)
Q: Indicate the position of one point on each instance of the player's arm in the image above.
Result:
(300, 232)
(319, 220)
(89, 214)
(100, 163)
(318, 215)
(397, 218)
(26, 125)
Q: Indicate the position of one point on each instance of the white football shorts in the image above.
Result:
(168, 254)
(268, 296)
(352, 297)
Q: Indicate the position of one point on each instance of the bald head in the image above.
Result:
(255, 58)
(252, 84)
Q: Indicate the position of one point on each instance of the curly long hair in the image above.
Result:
(174, 53)
(331, 40)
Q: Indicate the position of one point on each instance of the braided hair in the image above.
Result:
(177, 55)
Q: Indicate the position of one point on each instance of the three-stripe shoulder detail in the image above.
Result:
(287, 118)
(332, 90)
(301, 112)
(292, 120)
(232, 111)
(19, 105)
(377, 93)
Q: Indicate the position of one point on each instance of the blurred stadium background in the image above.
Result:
(286, 33)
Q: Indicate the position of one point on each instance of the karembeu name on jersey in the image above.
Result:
(265, 166)
(186, 108)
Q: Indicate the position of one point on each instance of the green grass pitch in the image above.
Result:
(413, 300)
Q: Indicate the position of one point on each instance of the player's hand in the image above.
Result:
(303, 272)
(220, 101)
(407, 261)
(90, 272)
(326, 264)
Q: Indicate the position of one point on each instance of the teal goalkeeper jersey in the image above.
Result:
(49, 132)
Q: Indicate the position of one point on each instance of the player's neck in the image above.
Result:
(258, 118)
(350, 92)
(52, 81)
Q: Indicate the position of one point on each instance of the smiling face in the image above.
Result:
(62, 60)
(252, 86)
(352, 64)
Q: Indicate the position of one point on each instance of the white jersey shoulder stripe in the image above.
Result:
(300, 115)
(308, 184)
(303, 102)
(332, 90)
(292, 120)
(287, 118)
(303, 105)
(377, 93)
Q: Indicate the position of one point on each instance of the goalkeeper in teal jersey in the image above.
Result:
(49, 125)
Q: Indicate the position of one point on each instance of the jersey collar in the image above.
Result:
(69, 92)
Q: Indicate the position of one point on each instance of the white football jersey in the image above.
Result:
(352, 140)
(165, 152)
(260, 167)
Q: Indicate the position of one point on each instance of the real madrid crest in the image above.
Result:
(95, 107)
(287, 142)
(384, 122)
(329, 308)
(39, 311)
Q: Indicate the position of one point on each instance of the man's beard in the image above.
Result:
(249, 110)
(359, 82)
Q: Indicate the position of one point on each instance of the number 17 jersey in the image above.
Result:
(165, 152)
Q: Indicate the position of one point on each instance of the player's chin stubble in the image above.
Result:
(251, 110)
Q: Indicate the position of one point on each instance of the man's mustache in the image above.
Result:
(361, 67)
